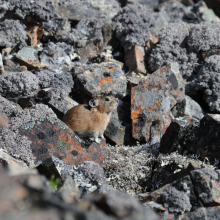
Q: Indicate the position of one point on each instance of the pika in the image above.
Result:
(91, 120)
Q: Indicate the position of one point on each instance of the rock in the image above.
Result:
(134, 59)
(134, 25)
(74, 10)
(203, 139)
(168, 50)
(177, 197)
(35, 33)
(28, 56)
(3, 121)
(208, 29)
(152, 100)
(188, 108)
(40, 10)
(61, 82)
(207, 81)
(175, 132)
(207, 183)
(52, 54)
(123, 206)
(18, 84)
(100, 79)
(203, 213)
(12, 34)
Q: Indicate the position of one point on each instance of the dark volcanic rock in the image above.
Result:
(171, 49)
(203, 140)
(134, 23)
(100, 79)
(18, 84)
(12, 34)
(152, 100)
(40, 10)
(207, 184)
(208, 81)
(61, 82)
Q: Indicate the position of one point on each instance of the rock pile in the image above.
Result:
(160, 59)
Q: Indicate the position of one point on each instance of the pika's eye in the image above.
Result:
(107, 99)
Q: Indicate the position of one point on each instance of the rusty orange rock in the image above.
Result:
(152, 100)
(134, 59)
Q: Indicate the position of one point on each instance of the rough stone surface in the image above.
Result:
(52, 54)
(203, 139)
(40, 10)
(76, 10)
(100, 79)
(134, 59)
(152, 100)
(16, 144)
(134, 22)
(208, 81)
(12, 34)
(204, 36)
(61, 82)
(18, 84)
(171, 48)
(206, 182)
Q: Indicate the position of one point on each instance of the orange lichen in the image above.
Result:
(134, 115)
(105, 81)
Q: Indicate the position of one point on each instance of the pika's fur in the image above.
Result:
(91, 120)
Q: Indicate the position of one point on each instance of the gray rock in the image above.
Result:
(18, 145)
(134, 22)
(188, 107)
(61, 82)
(208, 80)
(12, 34)
(40, 10)
(54, 55)
(100, 79)
(18, 84)
(171, 49)
(211, 31)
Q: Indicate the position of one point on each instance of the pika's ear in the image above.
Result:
(94, 103)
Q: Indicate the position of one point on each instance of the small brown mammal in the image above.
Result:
(91, 120)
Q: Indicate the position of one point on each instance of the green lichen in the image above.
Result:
(175, 68)
(61, 146)
(28, 125)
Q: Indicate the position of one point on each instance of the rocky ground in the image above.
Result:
(160, 155)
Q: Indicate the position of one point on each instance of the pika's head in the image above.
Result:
(104, 104)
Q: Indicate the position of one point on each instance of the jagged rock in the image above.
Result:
(177, 197)
(122, 206)
(100, 79)
(208, 213)
(207, 183)
(28, 56)
(76, 10)
(188, 108)
(207, 81)
(40, 10)
(134, 59)
(134, 22)
(52, 54)
(18, 84)
(171, 49)
(12, 34)
(203, 139)
(61, 82)
(209, 29)
(152, 100)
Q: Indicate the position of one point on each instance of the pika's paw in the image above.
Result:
(97, 140)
